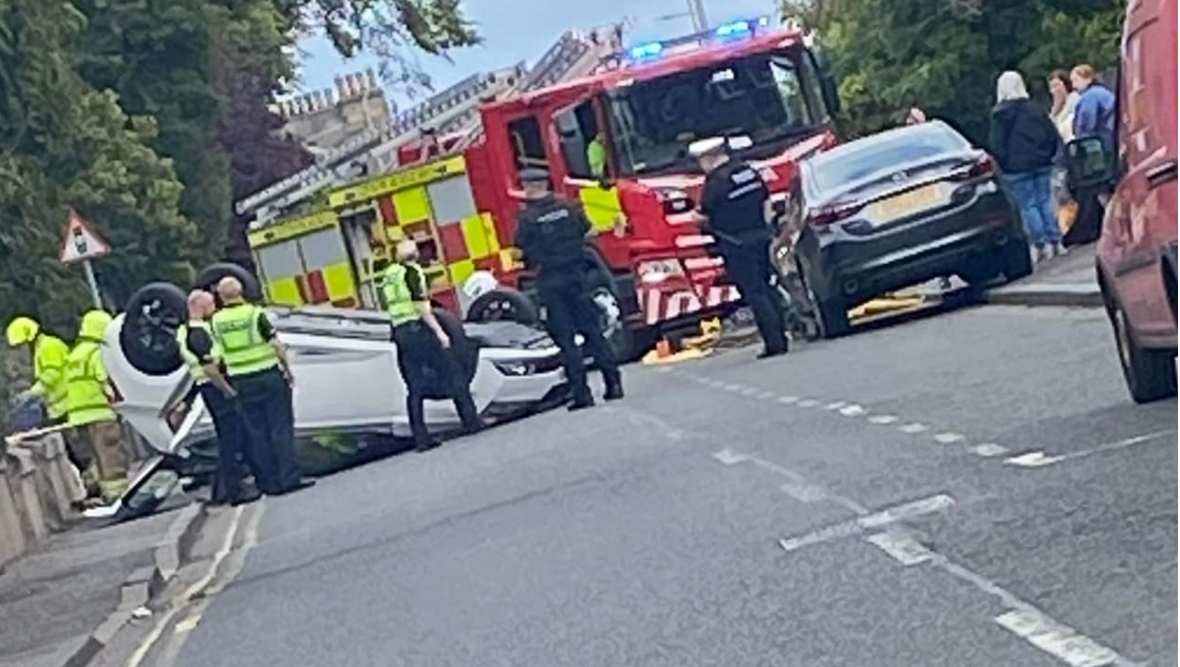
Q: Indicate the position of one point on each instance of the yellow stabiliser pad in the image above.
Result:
(653, 357)
(885, 305)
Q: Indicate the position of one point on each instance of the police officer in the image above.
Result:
(260, 376)
(551, 234)
(735, 204)
(422, 346)
(199, 349)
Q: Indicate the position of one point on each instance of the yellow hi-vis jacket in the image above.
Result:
(87, 400)
(195, 368)
(50, 354)
(243, 350)
(399, 300)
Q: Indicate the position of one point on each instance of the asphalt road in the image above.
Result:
(971, 489)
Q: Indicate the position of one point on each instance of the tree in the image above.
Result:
(65, 144)
(945, 55)
(387, 28)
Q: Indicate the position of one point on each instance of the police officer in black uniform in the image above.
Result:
(423, 347)
(734, 202)
(551, 234)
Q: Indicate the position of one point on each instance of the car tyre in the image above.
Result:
(1016, 261)
(208, 278)
(623, 343)
(148, 334)
(1150, 374)
(504, 304)
(831, 314)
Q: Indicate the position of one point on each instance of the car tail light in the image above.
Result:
(980, 167)
(831, 214)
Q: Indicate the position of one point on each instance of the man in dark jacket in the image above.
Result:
(551, 234)
(1025, 143)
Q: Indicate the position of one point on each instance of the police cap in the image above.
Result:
(533, 175)
(703, 147)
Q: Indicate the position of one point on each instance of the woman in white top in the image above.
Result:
(1065, 100)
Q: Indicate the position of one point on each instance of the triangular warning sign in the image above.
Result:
(81, 241)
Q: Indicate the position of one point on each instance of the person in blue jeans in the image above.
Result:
(1025, 144)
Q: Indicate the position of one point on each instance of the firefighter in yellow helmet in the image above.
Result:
(49, 365)
(88, 401)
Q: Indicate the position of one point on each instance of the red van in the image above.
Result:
(1136, 253)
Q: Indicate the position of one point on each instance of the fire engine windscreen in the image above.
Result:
(775, 99)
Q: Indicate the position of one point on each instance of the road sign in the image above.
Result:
(81, 241)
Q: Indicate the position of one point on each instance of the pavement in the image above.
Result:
(969, 487)
(59, 604)
(1069, 280)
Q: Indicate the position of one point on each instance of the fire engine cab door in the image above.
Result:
(576, 126)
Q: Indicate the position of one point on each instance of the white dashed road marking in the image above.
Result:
(1039, 459)
(853, 411)
(1060, 641)
(913, 428)
(835, 405)
(788, 400)
(729, 457)
(1032, 460)
(883, 419)
(902, 548)
(869, 521)
(808, 403)
(989, 450)
(949, 438)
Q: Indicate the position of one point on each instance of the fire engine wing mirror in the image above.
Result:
(830, 92)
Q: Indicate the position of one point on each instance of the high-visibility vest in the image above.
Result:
(86, 380)
(398, 301)
(50, 355)
(191, 360)
(243, 350)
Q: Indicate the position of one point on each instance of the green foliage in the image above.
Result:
(63, 144)
(148, 117)
(944, 55)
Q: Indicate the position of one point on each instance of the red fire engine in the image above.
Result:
(768, 86)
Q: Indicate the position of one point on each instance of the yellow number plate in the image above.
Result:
(908, 203)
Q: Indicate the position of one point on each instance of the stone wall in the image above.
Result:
(38, 490)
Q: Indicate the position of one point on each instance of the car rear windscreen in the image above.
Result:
(861, 159)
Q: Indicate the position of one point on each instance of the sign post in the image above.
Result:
(83, 244)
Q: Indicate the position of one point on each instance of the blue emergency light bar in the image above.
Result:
(726, 32)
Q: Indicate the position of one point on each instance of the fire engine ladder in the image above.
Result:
(460, 101)
(575, 54)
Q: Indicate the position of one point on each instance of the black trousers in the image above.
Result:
(429, 370)
(269, 420)
(748, 265)
(233, 443)
(569, 311)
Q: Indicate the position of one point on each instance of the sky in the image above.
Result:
(525, 32)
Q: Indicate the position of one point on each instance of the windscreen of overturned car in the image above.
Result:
(771, 98)
(855, 161)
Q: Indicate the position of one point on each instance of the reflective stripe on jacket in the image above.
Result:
(86, 385)
(243, 350)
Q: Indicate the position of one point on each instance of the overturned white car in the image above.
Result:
(349, 397)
